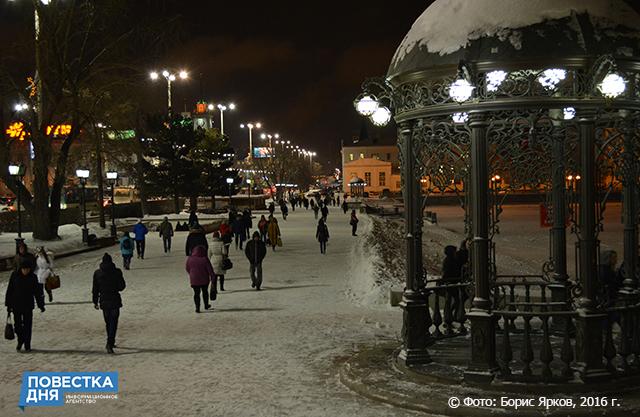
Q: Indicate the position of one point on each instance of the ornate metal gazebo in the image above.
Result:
(549, 104)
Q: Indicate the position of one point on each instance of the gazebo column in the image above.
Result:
(559, 230)
(415, 327)
(589, 323)
(483, 345)
(630, 210)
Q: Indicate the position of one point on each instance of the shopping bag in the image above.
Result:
(9, 333)
(227, 264)
(52, 282)
(279, 242)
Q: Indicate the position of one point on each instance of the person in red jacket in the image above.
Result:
(200, 275)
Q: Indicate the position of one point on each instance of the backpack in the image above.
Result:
(126, 244)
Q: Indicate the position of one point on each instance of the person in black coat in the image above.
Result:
(255, 251)
(107, 284)
(193, 219)
(325, 211)
(247, 221)
(322, 234)
(196, 238)
(22, 290)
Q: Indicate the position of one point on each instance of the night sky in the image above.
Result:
(294, 66)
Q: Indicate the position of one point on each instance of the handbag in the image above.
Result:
(9, 333)
(227, 264)
(52, 282)
(279, 242)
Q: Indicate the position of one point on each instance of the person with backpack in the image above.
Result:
(166, 233)
(218, 252)
(255, 252)
(322, 234)
(354, 223)
(126, 250)
(140, 231)
(201, 274)
(22, 290)
(108, 282)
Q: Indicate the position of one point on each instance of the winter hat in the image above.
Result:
(25, 263)
(107, 259)
(256, 235)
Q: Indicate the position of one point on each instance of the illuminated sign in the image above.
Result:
(16, 130)
(201, 108)
(262, 152)
(121, 134)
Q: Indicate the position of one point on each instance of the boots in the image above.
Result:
(222, 283)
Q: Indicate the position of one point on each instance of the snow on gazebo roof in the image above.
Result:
(447, 30)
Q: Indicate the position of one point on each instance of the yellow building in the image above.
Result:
(377, 175)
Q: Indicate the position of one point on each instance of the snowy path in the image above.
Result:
(269, 353)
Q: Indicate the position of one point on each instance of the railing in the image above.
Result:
(627, 333)
(446, 300)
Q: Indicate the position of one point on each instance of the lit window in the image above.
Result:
(361, 156)
(382, 179)
(350, 157)
(367, 178)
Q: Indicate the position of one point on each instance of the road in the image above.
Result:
(269, 353)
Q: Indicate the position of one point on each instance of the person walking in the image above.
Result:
(284, 209)
(305, 202)
(23, 254)
(140, 231)
(262, 227)
(44, 269)
(325, 211)
(108, 282)
(200, 273)
(218, 252)
(338, 200)
(166, 233)
(255, 251)
(196, 238)
(272, 208)
(345, 206)
(239, 230)
(126, 250)
(22, 290)
(451, 275)
(273, 230)
(316, 209)
(354, 223)
(247, 221)
(322, 234)
(193, 219)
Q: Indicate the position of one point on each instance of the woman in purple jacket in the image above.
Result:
(200, 274)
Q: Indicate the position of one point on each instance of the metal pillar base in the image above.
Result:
(483, 367)
(114, 231)
(85, 235)
(589, 349)
(558, 323)
(414, 329)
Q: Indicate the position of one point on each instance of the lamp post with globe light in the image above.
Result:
(229, 184)
(17, 171)
(170, 78)
(112, 177)
(83, 175)
(223, 108)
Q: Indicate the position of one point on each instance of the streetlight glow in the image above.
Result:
(612, 86)
(154, 75)
(184, 74)
(165, 74)
(366, 106)
(495, 79)
(82, 173)
(461, 90)
(112, 175)
(381, 117)
(211, 107)
(551, 78)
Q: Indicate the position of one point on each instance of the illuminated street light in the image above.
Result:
(83, 174)
(251, 126)
(461, 90)
(222, 109)
(381, 117)
(366, 105)
(612, 86)
(170, 77)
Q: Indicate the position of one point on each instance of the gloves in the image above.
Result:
(96, 307)
(42, 309)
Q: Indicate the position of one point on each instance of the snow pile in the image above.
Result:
(448, 25)
(373, 270)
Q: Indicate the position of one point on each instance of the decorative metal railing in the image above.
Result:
(447, 301)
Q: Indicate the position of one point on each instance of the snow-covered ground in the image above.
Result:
(269, 353)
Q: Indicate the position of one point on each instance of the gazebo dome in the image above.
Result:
(516, 31)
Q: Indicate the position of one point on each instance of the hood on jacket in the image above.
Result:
(107, 263)
(199, 251)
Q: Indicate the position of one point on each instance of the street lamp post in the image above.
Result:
(112, 177)
(83, 174)
(222, 109)
(249, 188)
(229, 183)
(170, 77)
(17, 171)
(251, 126)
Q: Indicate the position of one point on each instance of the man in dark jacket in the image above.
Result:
(325, 211)
(196, 238)
(23, 288)
(255, 251)
(166, 233)
(107, 284)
